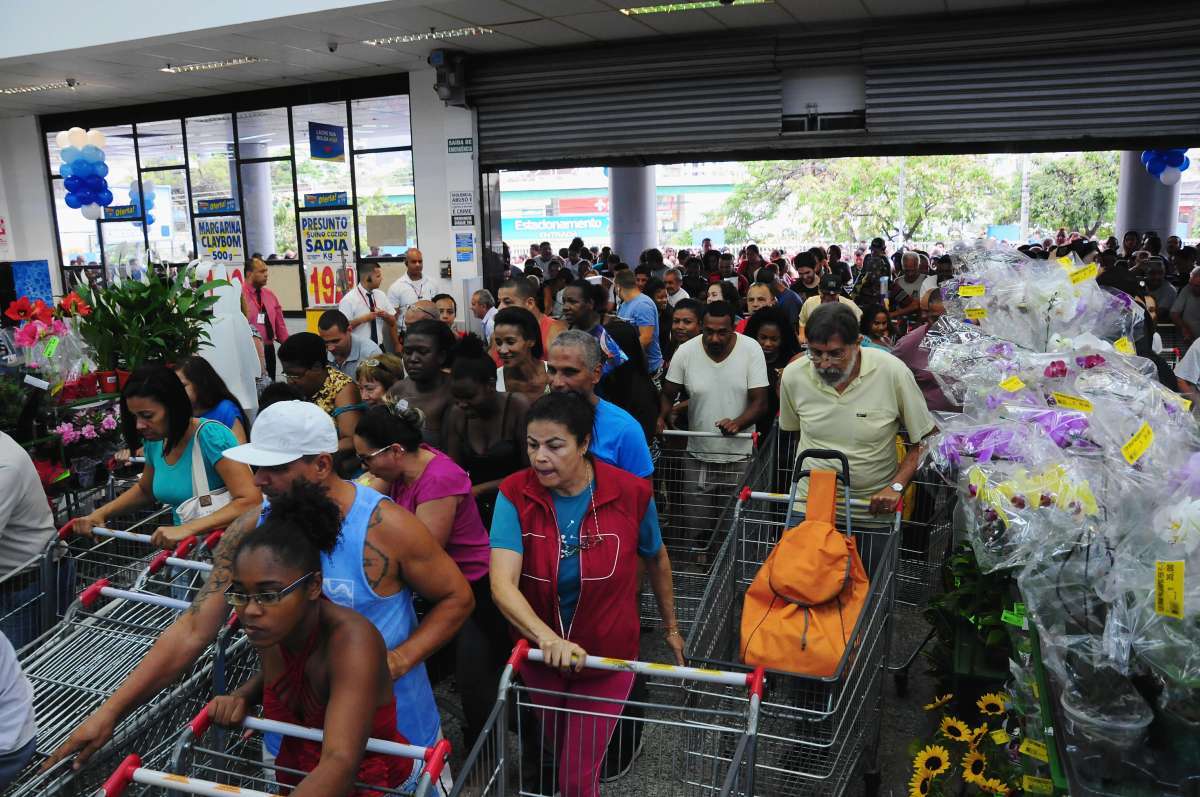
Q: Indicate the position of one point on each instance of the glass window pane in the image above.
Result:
(317, 175)
(270, 209)
(381, 122)
(210, 158)
(168, 223)
(124, 250)
(385, 196)
(77, 236)
(160, 143)
(263, 134)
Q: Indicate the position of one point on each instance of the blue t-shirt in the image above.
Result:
(617, 439)
(173, 483)
(641, 311)
(226, 412)
(506, 534)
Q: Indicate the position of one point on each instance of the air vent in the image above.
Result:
(825, 122)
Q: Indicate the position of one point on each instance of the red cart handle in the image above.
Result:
(436, 758)
(185, 547)
(120, 780)
(65, 531)
(91, 593)
(201, 722)
(210, 542)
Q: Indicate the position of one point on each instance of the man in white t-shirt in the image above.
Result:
(372, 316)
(725, 375)
(673, 279)
(18, 728)
(26, 527)
(413, 286)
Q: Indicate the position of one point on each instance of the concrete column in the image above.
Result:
(631, 193)
(1143, 203)
(256, 193)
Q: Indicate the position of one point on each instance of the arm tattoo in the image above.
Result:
(375, 564)
(376, 516)
(222, 572)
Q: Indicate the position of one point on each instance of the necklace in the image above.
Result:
(565, 549)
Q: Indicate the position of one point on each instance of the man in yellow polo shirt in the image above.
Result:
(852, 399)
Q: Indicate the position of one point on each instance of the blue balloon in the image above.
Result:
(1174, 158)
(85, 197)
(72, 201)
(1186, 163)
(95, 184)
(100, 168)
(69, 154)
(81, 168)
(1156, 166)
(73, 183)
(149, 218)
(65, 170)
(149, 201)
(91, 153)
(104, 198)
(1147, 154)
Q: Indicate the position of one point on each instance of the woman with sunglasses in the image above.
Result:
(376, 375)
(429, 484)
(567, 537)
(322, 665)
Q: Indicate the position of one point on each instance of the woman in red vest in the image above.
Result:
(566, 536)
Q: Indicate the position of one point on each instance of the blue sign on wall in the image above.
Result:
(554, 228)
(327, 199)
(213, 206)
(326, 142)
(122, 212)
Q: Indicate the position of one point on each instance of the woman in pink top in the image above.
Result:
(429, 484)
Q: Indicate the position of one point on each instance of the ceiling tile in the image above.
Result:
(414, 20)
(823, 10)
(607, 25)
(960, 6)
(493, 43)
(903, 8)
(543, 33)
(485, 12)
(750, 16)
(560, 8)
(682, 22)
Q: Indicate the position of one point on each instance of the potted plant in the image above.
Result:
(89, 437)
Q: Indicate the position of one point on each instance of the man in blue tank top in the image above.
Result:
(385, 557)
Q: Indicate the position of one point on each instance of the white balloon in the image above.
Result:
(96, 138)
(148, 187)
(77, 137)
(92, 212)
(1170, 176)
(63, 140)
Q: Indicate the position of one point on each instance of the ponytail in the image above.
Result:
(301, 525)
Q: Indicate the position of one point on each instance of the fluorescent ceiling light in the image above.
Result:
(694, 5)
(69, 83)
(432, 35)
(208, 65)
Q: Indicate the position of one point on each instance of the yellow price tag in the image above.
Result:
(1168, 589)
(1066, 261)
(1069, 402)
(975, 313)
(1012, 384)
(1141, 441)
(1035, 750)
(1124, 346)
(972, 290)
(1001, 737)
(1035, 785)
(1084, 274)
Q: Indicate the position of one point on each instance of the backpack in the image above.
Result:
(803, 604)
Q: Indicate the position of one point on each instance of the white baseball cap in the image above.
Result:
(286, 431)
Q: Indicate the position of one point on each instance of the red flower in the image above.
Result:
(73, 304)
(20, 310)
(42, 312)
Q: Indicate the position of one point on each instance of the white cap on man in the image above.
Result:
(286, 431)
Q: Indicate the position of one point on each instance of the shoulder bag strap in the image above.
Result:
(200, 484)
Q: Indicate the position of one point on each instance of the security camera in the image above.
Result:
(332, 47)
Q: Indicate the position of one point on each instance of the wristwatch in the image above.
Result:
(897, 487)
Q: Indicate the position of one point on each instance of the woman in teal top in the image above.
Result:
(155, 407)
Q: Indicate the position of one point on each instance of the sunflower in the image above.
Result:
(974, 764)
(920, 784)
(933, 760)
(992, 704)
(976, 735)
(955, 729)
(938, 702)
(993, 786)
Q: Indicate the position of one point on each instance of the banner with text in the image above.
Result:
(326, 249)
(326, 142)
(220, 240)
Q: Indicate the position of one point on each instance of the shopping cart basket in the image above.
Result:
(653, 749)
(813, 732)
(236, 766)
(692, 497)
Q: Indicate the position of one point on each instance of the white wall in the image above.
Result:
(437, 173)
(25, 199)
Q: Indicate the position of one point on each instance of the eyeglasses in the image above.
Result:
(821, 356)
(365, 459)
(370, 362)
(264, 599)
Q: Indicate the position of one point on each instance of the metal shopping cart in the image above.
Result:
(693, 497)
(662, 749)
(235, 766)
(814, 733)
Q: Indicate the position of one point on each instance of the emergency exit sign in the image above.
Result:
(460, 145)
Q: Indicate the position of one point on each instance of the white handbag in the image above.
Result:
(203, 501)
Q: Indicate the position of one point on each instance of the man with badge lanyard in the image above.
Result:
(263, 311)
(372, 316)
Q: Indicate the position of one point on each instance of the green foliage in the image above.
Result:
(134, 322)
(1078, 192)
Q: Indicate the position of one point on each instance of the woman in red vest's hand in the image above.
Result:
(566, 536)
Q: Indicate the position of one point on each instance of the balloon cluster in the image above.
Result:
(83, 170)
(1168, 165)
(143, 198)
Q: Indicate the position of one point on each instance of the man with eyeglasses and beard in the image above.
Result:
(844, 397)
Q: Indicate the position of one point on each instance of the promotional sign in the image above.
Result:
(121, 212)
(325, 247)
(216, 206)
(464, 247)
(220, 240)
(326, 142)
(326, 199)
(537, 228)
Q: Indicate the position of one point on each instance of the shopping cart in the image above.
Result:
(660, 749)
(236, 765)
(693, 497)
(814, 733)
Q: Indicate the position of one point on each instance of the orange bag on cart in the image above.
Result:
(803, 604)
